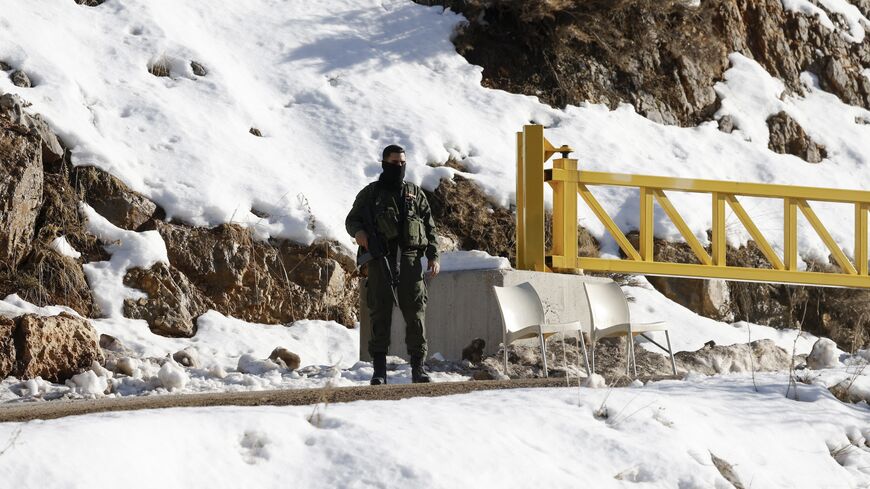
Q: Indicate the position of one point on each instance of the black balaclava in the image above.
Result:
(392, 175)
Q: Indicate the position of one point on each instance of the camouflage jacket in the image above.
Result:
(386, 200)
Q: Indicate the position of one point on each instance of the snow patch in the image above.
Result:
(62, 246)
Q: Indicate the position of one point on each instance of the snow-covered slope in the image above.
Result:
(663, 435)
(330, 83)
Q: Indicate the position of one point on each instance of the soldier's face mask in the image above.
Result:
(393, 173)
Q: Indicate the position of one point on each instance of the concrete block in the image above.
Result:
(462, 306)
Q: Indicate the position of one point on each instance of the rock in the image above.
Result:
(90, 3)
(823, 355)
(20, 79)
(482, 375)
(127, 366)
(8, 359)
(264, 282)
(173, 303)
(187, 357)
(109, 342)
(726, 124)
(112, 199)
(4, 66)
(788, 137)
(648, 53)
(474, 351)
(54, 347)
(285, 357)
(11, 108)
(255, 132)
(21, 183)
(709, 298)
(198, 69)
(758, 356)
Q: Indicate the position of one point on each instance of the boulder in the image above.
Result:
(7, 347)
(20, 79)
(20, 193)
(758, 356)
(269, 282)
(173, 303)
(54, 347)
(112, 199)
(788, 137)
(286, 357)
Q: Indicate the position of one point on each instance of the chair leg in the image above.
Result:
(544, 354)
(565, 360)
(629, 353)
(671, 352)
(582, 343)
(505, 359)
(594, 342)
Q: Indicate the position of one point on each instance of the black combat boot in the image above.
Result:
(379, 360)
(419, 375)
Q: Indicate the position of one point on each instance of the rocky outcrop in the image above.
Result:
(788, 137)
(39, 204)
(758, 356)
(113, 200)
(52, 347)
(664, 57)
(173, 303)
(20, 191)
(265, 282)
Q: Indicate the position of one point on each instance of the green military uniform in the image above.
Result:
(404, 221)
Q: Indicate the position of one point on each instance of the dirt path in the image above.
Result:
(287, 397)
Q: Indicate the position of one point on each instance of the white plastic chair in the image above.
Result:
(522, 316)
(608, 309)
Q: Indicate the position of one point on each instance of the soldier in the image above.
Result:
(395, 215)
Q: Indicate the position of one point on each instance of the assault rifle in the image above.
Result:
(377, 250)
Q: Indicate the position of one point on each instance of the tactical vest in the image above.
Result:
(397, 217)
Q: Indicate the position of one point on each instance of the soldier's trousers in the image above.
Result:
(412, 303)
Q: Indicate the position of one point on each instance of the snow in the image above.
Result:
(330, 84)
(129, 249)
(856, 22)
(62, 246)
(172, 376)
(824, 354)
(689, 331)
(661, 435)
(13, 306)
(454, 261)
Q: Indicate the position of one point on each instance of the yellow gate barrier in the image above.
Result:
(533, 150)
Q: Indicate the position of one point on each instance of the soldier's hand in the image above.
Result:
(362, 239)
(434, 268)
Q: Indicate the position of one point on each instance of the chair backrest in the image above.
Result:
(520, 306)
(607, 304)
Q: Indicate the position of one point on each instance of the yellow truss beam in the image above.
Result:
(710, 186)
(727, 273)
(611, 226)
(750, 226)
(681, 225)
(823, 233)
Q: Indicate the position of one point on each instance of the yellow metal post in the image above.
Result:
(718, 242)
(533, 198)
(789, 224)
(861, 238)
(521, 206)
(646, 224)
(564, 218)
